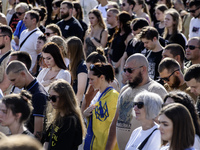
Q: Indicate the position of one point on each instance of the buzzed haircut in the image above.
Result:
(168, 63)
(175, 50)
(6, 30)
(15, 66)
(113, 10)
(23, 57)
(69, 4)
(197, 39)
(148, 33)
(192, 73)
(33, 15)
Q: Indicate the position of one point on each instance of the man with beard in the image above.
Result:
(5, 50)
(171, 74)
(124, 122)
(69, 26)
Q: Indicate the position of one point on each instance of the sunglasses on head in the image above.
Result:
(191, 47)
(138, 104)
(92, 67)
(167, 78)
(130, 70)
(19, 13)
(53, 98)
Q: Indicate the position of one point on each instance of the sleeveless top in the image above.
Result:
(90, 46)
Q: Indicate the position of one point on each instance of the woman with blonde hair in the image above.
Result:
(173, 28)
(51, 30)
(96, 35)
(67, 128)
(77, 66)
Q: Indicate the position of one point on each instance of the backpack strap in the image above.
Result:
(145, 141)
(4, 56)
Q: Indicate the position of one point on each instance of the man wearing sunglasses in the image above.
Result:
(20, 77)
(194, 9)
(192, 78)
(171, 74)
(128, 6)
(124, 122)
(193, 51)
(20, 10)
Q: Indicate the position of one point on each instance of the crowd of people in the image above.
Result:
(100, 74)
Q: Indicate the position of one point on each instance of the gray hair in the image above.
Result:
(152, 103)
(22, 5)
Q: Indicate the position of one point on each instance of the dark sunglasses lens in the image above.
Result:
(52, 98)
(165, 79)
(47, 34)
(191, 47)
(18, 13)
(140, 105)
(128, 70)
(123, 4)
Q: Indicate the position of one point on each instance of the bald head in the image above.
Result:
(138, 59)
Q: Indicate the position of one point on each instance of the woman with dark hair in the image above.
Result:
(77, 66)
(168, 3)
(15, 110)
(185, 99)
(56, 68)
(55, 17)
(78, 14)
(96, 35)
(176, 127)
(67, 128)
(173, 27)
(120, 41)
(160, 16)
(147, 106)
(102, 109)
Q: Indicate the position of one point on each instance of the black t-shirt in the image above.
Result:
(118, 46)
(154, 59)
(139, 46)
(71, 27)
(160, 30)
(68, 135)
(176, 38)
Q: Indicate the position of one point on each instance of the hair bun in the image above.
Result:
(25, 95)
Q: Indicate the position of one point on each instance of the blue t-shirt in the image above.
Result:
(20, 27)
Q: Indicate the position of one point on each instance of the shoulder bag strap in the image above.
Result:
(145, 141)
(4, 56)
(27, 38)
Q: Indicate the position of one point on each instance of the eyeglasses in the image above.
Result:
(48, 34)
(53, 98)
(123, 4)
(191, 47)
(138, 104)
(193, 11)
(19, 13)
(167, 78)
(130, 70)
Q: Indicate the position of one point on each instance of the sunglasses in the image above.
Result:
(53, 98)
(92, 67)
(123, 4)
(48, 34)
(193, 11)
(19, 13)
(167, 78)
(138, 104)
(191, 47)
(130, 70)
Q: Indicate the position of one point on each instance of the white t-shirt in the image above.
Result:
(139, 135)
(194, 30)
(103, 10)
(30, 44)
(62, 74)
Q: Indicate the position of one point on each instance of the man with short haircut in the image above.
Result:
(150, 37)
(124, 122)
(194, 9)
(112, 21)
(170, 72)
(176, 52)
(128, 6)
(69, 25)
(193, 51)
(20, 77)
(28, 40)
(192, 78)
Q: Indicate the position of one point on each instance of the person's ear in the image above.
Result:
(18, 115)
